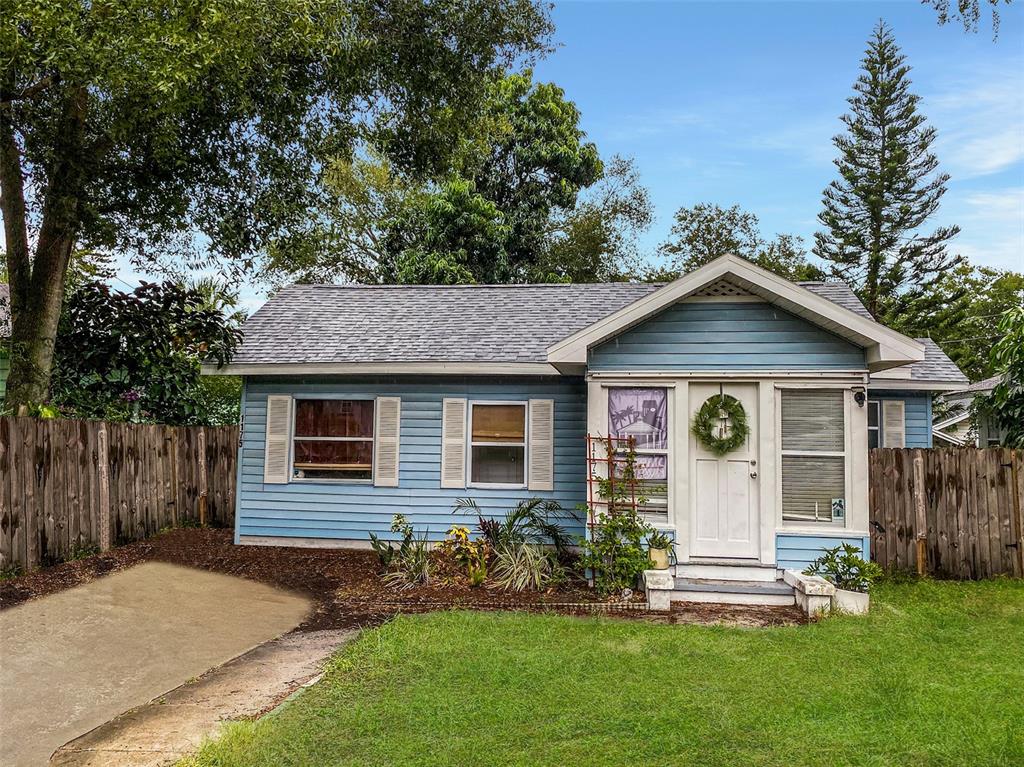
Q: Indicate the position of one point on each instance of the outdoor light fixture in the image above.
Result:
(859, 397)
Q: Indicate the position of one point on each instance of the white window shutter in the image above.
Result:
(894, 424)
(277, 439)
(386, 429)
(541, 447)
(453, 443)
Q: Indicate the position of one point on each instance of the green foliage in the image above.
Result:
(10, 571)
(844, 566)
(512, 206)
(534, 520)
(708, 424)
(1006, 403)
(408, 564)
(524, 567)
(702, 233)
(82, 551)
(963, 312)
(967, 12)
(183, 99)
(888, 187)
(135, 356)
(659, 540)
(615, 553)
(467, 553)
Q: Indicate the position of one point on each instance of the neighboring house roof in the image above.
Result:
(5, 311)
(396, 328)
(980, 387)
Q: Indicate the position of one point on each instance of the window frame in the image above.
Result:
(470, 444)
(817, 525)
(662, 517)
(877, 403)
(292, 438)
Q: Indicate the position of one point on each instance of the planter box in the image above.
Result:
(853, 602)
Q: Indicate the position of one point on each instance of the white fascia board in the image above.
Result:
(936, 432)
(885, 347)
(382, 368)
(897, 384)
(945, 424)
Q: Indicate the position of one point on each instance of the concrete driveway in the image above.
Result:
(73, 660)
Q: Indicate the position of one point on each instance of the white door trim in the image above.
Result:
(742, 469)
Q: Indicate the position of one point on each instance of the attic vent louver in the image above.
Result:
(721, 288)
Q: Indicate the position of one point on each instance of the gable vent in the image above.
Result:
(721, 288)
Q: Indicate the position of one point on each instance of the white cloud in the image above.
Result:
(980, 120)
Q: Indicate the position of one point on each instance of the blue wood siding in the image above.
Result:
(726, 336)
(351, 511)
(796, 552)
(917, 412)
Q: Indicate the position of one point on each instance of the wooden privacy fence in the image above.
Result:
(72, 486)
(952, 513)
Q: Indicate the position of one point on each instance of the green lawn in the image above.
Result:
(934, 675)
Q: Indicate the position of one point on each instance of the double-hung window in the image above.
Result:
(814, 456)
(497, 447)
(333, 439)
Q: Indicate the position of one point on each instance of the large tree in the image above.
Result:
(198, 129)
(526, 198)
(963, 314)
(889, 185)
(705, 231)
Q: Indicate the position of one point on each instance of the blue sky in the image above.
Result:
(736, 103)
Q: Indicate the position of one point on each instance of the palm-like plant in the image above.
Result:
(535, 521)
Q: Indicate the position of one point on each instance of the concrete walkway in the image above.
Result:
(161, 732)
(73, 660)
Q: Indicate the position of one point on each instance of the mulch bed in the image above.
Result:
(346, 588)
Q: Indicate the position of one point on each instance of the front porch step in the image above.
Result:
(731, 571)
(732, 592)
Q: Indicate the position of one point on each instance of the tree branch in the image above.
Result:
(9, 97)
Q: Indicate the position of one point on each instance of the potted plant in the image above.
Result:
(851, 574)
(659, 546)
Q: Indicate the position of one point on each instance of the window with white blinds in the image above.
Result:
(813, 456)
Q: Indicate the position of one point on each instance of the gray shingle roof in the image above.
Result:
(360, 323)
(465, 323)
(935, 366)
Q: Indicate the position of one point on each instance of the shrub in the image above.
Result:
(466, 553)
(535, 521)
(408, 564)
(615, 554)
(524, 566)
(844, 567)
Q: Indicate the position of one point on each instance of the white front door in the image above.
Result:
(724, 519)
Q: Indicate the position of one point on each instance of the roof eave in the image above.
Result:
(382, 368)
(885, 347)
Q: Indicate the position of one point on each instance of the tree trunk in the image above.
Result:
(37, 289)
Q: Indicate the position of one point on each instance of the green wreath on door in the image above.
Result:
(721, 424)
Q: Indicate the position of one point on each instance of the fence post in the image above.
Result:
(921, 518)
(202, 477)
(103, 473)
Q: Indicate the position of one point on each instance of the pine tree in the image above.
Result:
(888, 187)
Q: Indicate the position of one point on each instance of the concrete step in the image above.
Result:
(728, 571)
(733, 592)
